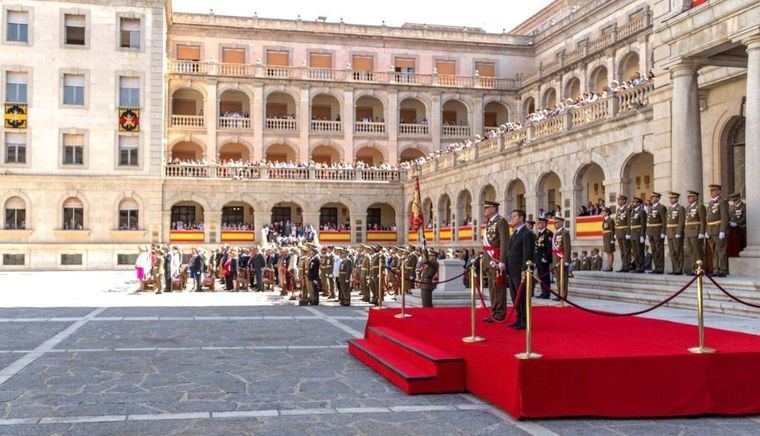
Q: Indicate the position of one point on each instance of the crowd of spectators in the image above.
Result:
(195, 225)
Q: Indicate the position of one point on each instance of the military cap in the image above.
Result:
(656, 194)
(490, 203)
(674, 194)
(366, 246)
(401, 249)
(531, 222)
(378, 247)
(714, 186)
(432, 252)
(734, 196)
(692, 193)
(638, 199)
(622, 197)
(543, 220)
(558, 218)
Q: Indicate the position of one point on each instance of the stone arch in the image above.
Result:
(234, 100)
(324, 106)
(598, 78)
(732, 154)
(628, 64)
(588, 184)
(186, 149)
(234, 149)
(16, 200)
(387, 216)
(326, 152)
(371, 154)
(410, 153)
(515, 195)
(187, 212)
(66, 200)
(187, 101)
(281, 151)
(424, 99)
(370, 106)
(190, 84)
(235, 214)
(495, 113)
(444, 210)
(123, 199)
(528, 106)
(548, 191)
(572, 88)
(334, 213)
(498, 99)
(638, 175)
(413, 110)
(464, 207)
(294, 93)
(549, 97)
(288, 209)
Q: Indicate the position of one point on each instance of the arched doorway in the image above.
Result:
(733, 156)
(187, 102)
(234, 151)
(629, 66)
(410, 154)
(589, 186)
(529, 106)
(412, 111)
(598, 79)
(455, 119)
(237, 215)
(381, 216)
(638, 174)
(325, 113)
(234, 110)
(464, 208)
(287, 211)
(281, 112)
(370, 156)
(573, 88)
(548, 192)
(334, 217)
(494, 115)
(281, 153)
(515, 196)
(444, 210)
(325, 154)
(186, 151)
(550, 98)
(187, 215)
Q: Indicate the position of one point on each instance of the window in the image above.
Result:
(280, 214)
(486, 69)
(126, 259)
(15, 87)
(13, 260)
(15, 148)
(363, 67)
(15, 214)
(232, 215)
(184, 214)
(71, 259)
(128, 212)
(404, 68)
(73, 149)
(74, 29)
(73, 214)
(736, 144)
(189, 53)
(129, 36)
(328, 216)
(373, 217)
(17, 26)
(128, 146)
(233, 55)
(129, 92)
(73, 89)
(320, 60)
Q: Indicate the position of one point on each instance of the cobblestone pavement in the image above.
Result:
(272, 368)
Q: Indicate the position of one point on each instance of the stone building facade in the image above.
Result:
(214, 89)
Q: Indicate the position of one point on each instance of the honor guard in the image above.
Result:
(717, 230)
(656, 221)
(410, 268)
(325, 272)
(737, 213)
(314, 276)
(676, 224)
(694, 232)
(622, 232)
(608, 238)
(561, 253)
(544, 257)
(366, 271)
(596, 260)
(428, 274)
(344, 277)
(637, 225)
(495, 240)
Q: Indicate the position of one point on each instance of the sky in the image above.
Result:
(492, 16)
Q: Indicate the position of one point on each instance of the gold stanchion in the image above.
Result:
(562, 279)
(380, 288)
(403, 313)
(701, 349)
(528, 354)
(472, 337)
(481, 273)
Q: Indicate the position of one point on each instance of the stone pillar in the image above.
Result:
(303, 117)
(260, 218)
(257, 122)
(391, 126)
(686, 131)
(477, 115)
(311, 217)
(211, 111)
(435, 121)
(749, 258)
(349, 111)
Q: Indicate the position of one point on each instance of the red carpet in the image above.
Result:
(592, 365)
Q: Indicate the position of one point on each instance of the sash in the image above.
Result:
(492, 251)
(556, 249)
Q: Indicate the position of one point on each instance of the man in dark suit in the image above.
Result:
(168, 270)
(521, 248)
(257, 265)
(313, 276)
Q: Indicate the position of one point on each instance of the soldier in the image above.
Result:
(410, 267)
(303, 269)
(373, 278)
(622, 232)
(561, 254)
(575, 263)
(325, 273)
(544, 257)
(392, 277)
(694, 231)
(495, 240)
(655, 231)
(428, 274)
(158, 270)
(585, 261)
(608, 238)
(675, 232)
(717, 230)
(638, 228)
(366, 278)
(313, 271)
(596, 260)
(344, 277)
(737, 212)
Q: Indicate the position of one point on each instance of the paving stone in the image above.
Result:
(28, 335)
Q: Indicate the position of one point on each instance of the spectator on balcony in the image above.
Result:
(557, 211)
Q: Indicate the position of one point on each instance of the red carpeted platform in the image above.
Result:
(592, 365)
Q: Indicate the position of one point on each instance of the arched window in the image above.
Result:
(73, 214)
(15, 213)
(736, 165)
(128, 213)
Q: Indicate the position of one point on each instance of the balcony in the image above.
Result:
(187, 121)
(234, 123)
(281, 125)
(184, 67)
(256, 172)
(455, 131)
(325, 127)
(369, 128)
(413, 130)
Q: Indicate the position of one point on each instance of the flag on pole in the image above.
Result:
(416, 219)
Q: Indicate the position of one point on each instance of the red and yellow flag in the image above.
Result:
(416, 219)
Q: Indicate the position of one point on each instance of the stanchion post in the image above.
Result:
(403, 313)
(481, 273)
(527, 295)
(380, 290)
(701, 349)
(562, 279)
(472, 337)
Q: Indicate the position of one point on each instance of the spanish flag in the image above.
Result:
(416, 219)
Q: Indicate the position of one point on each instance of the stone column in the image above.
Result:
(686, 131)
(257, 122)
(347, 117)
(391, 126)
(260, 218)
(304, 123)
(434, 121)
(211, 111)
(749, 258)
(476, 119)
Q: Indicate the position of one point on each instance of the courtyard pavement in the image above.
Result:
(82, 353)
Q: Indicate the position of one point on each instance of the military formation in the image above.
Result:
(697, 231)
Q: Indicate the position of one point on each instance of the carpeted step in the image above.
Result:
(398, 369)
(420, 352)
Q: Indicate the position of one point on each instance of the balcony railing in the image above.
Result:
(281, 124)
(187, 121)
(413, 129)
(242, 172)
(589, 113)
(234, 123)
(319, 126)
(334, 74)
(369, 127)
(455, 131)
(489, 129)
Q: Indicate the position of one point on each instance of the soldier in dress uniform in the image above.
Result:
(575, 262)
(585, 261)
(495, 240)
(366, 271)
(638, 228)
(676, 223)
(561, 250)
(596, 260)
(410, 268)
(656, 221)
(344, 277)
(608, 238)
(428, 274)
(544, 257)
(717, 230)
(325, 272)
(737, 212)
(694, 232)
(622, 232)
(307, 288)
(314, 277)
(376, 261)
(158, 270)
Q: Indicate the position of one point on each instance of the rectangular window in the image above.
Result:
(189, 53)
(15, 218)
(233, 55)
(404, 64)
(320, 60)
(278, 58)
(15, 148)
(128, 219)
(71, 259)
(17, 26)
(73, 89)
(126, 259)
(446, 68)
(15, 87)
(74, 29)
(13, 260)
(129, 92)
(128, 146)
(73, 149)
(130, 33)
(73, 218)
(363, 63)
(486, 69)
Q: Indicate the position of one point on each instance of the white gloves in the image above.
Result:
(722, 235)
(628, 237)
(544, 261)
(662, 235)
(733, 224)
(502, 266)
(701, 236)
(678, 236)
(707, 236)
(567, 263)
(641, 239)
(492, 263)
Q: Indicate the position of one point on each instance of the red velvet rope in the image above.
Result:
(730, 295)
(420, 282)
(510, 310)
